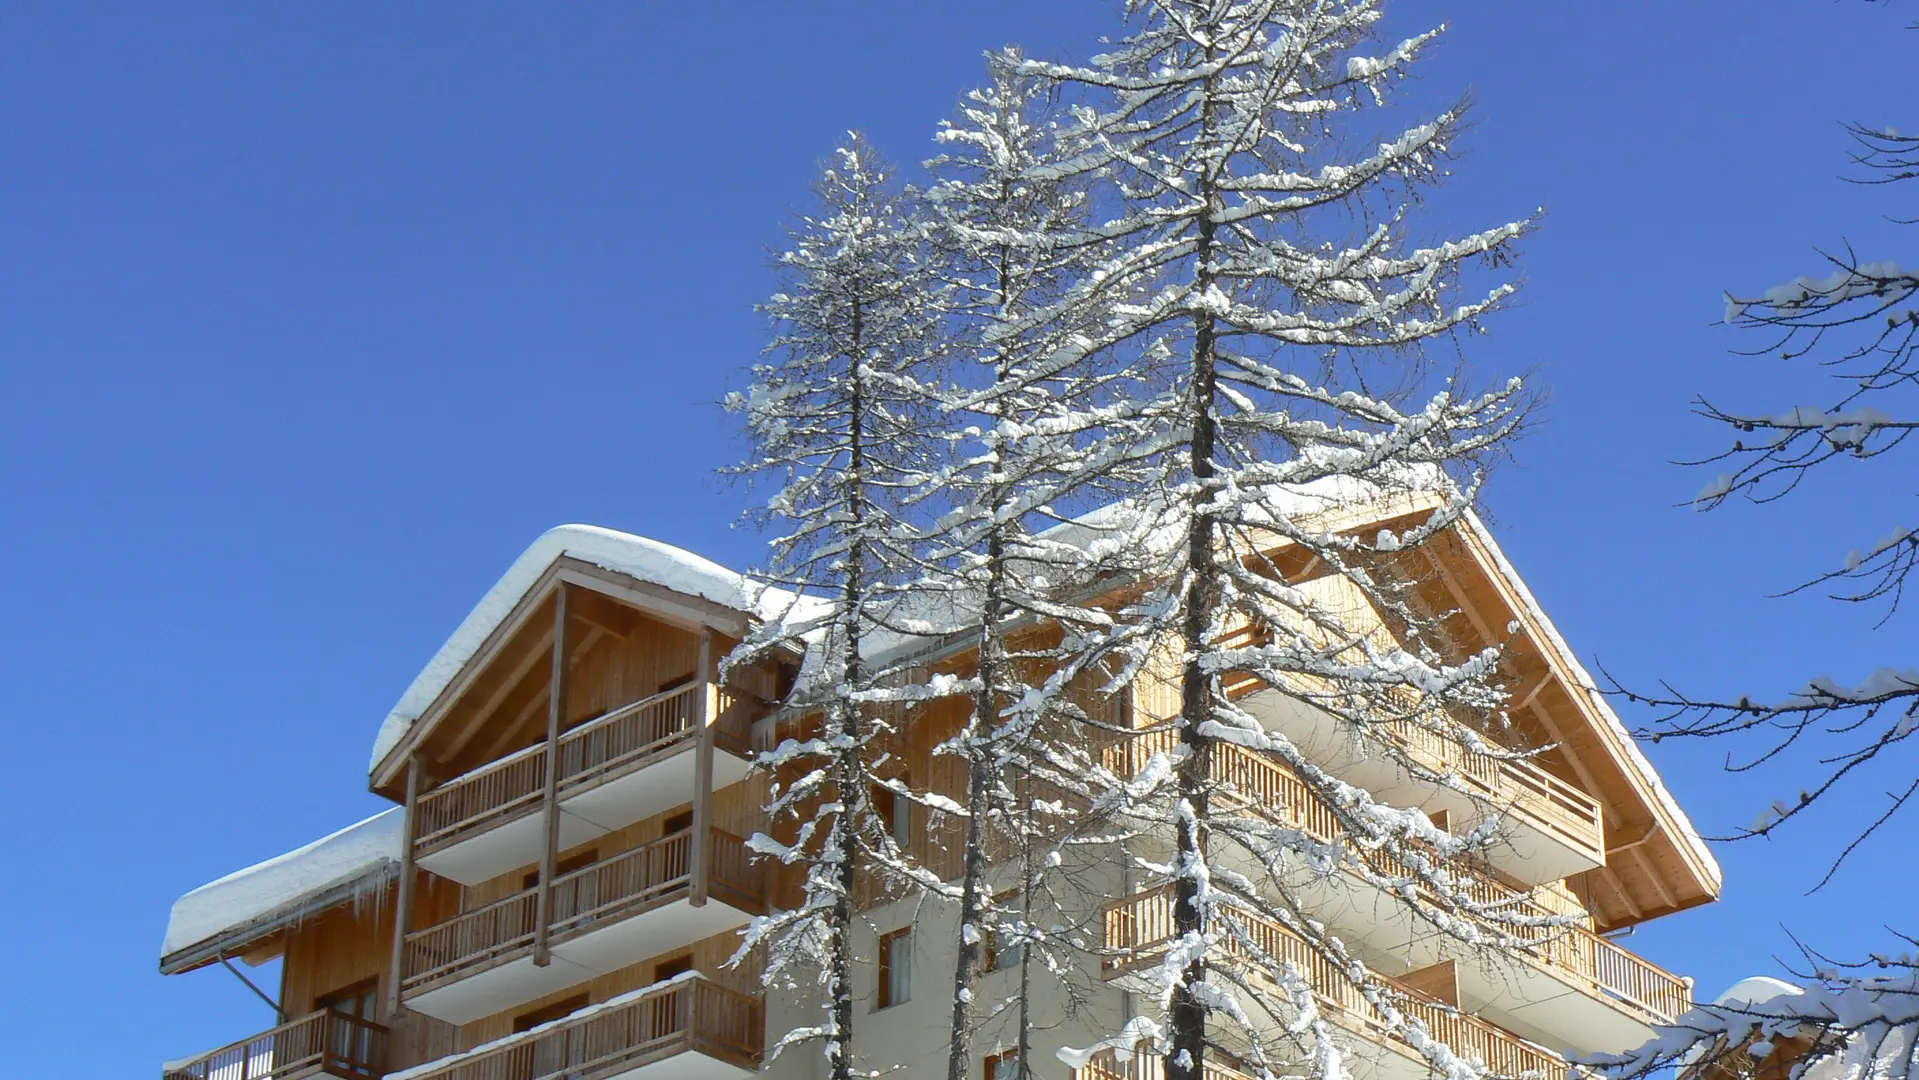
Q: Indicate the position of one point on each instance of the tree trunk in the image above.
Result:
(1188, 1015)
(850, 773)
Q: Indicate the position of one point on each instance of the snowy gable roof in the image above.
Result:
(637, 557)
(264, 897)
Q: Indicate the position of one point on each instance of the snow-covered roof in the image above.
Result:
(283, 889)
(637, 557)
(1757, 990)
(1633, 758)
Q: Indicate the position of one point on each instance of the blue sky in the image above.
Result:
(311, 320)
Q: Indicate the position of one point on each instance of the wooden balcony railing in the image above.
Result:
(1514, 784)
(1146, 1066)
(1568, 949)
(687, 1015)
(325, 1043)
(1143, 926)
(596, 751)
(618, 887)
(1521, 786)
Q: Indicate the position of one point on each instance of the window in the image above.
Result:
(1002, 1066)
(896, 967)
(572, 896)
(351, 1045)
(548, 1056)
(675, 683)
(562, 868)
(356, 1000)
(555, 1011)
(676, 823)
(896, 812)
(666, 969)
(1002, 945)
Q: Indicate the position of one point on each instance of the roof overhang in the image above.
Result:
(1661, 850)
(1666, 851)
(252, 935)
(661, 581)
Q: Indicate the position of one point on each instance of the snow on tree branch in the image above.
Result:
(1858, 320)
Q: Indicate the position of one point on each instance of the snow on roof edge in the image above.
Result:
(1635, 758)
(610, 549)
(280, 885)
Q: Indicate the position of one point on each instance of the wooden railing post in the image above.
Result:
(703, 723)
(403, 902)
(550, 800)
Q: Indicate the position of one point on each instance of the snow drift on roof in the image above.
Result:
(1757, 990)
(623, 553)
(281, 884)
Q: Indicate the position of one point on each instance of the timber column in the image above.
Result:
(550, 801)
(705, 715)
(403, 907)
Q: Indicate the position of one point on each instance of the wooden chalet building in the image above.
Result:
(564, 873)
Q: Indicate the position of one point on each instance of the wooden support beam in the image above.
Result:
(610, 615)
(703, 720)
(1586, 778)
(1532, 703)
(1651, 872)
(1651, 831)
(403, 902)
(279, 1012)
(457, 686)
(1527, 701)
(550, 800)
(542, 649)
(506, 735)
(1611, 877)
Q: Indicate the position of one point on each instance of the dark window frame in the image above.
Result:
(546, 1014)
(901, 938)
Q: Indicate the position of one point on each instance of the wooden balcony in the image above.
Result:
(1515, 785)
(1571, 953)
(1140, 929)
(325, 1043)
(1557, 829)
(614, 770)
(688, 1029)
(1147, 1066)
(604, 917)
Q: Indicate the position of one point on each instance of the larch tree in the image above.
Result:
(1258, 259)
(837, 426)
(1030, 401)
